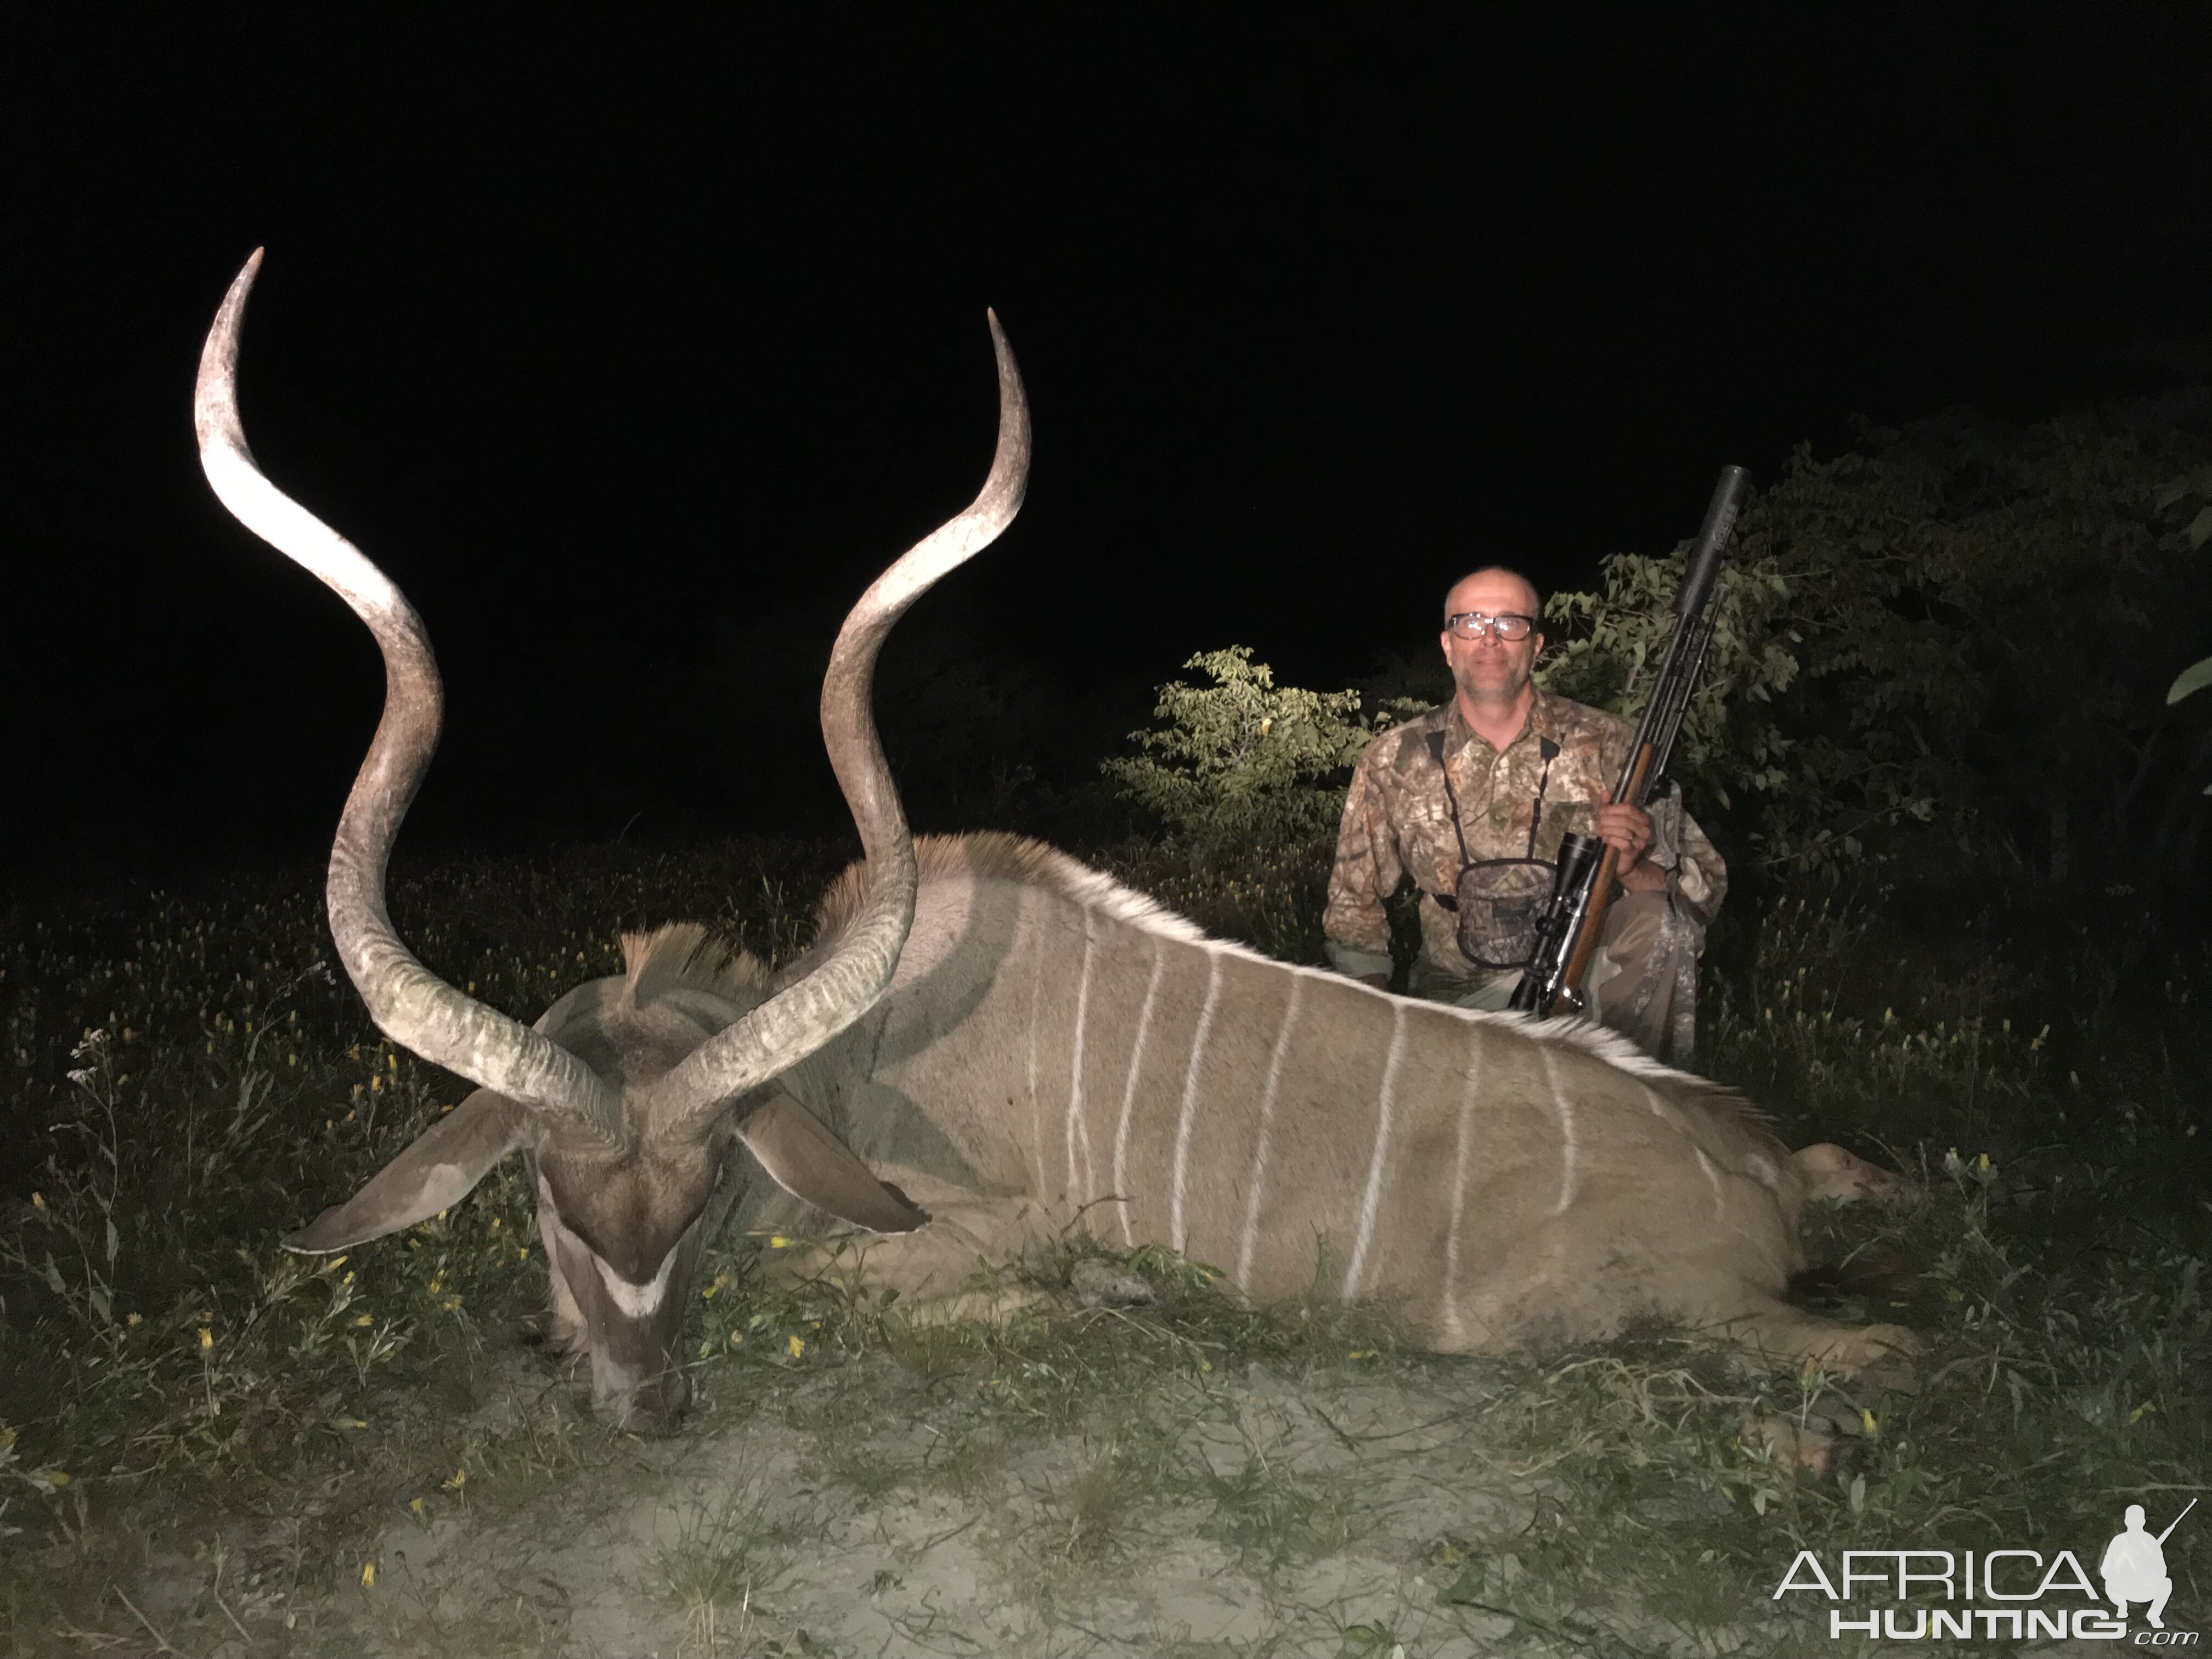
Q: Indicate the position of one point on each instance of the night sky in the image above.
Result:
(632, 350)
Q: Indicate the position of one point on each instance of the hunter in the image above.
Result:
(1470, 800)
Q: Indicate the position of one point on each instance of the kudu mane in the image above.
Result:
(685, 953)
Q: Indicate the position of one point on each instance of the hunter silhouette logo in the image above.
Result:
(2134, 1567)
(2000, 1593)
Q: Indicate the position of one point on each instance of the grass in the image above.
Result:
(229, 1436)
(722, 1560)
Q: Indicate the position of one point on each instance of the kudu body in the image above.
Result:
(1054, 1046)
(1021, 1044)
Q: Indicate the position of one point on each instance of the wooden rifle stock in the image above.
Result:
(1567, 997)
(1568, 938)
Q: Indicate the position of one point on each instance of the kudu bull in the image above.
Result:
(1017, 1041)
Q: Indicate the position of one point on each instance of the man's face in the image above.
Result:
(1487, 669)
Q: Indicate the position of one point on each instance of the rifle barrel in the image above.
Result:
(1704, 561)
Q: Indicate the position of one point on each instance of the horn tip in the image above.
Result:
(243, 282)
(214, 395)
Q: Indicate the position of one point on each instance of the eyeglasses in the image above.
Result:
(1472, 625)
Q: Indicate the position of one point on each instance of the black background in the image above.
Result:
(631, 348)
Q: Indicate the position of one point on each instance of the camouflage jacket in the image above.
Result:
(1397, 823)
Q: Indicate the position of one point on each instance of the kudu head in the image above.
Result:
(627, 1091)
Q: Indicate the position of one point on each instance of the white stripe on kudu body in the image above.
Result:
(1373, 1195)
(1036, 1099)
(1075, 1119)
(1258, 1180)
(1463, 1142)
(1176, 1233)
(1497, 1180)
(1129, 1091)
(1566, 1112)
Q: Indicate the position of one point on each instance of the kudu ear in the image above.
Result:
(803, 1157)
(437, 1172)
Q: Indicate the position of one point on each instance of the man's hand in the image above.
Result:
(1627, 830)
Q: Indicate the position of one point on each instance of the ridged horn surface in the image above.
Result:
(409, 1003)
(803, 1017)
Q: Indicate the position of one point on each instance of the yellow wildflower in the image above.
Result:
(797, 1345)
(366, 1319)
(367, 1574)
(207, 1339)
(461, 1478)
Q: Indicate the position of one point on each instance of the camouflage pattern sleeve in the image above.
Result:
(1367, 872)
(1698, 875)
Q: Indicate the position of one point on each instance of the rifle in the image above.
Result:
(1582, 889)
(2178, 1519)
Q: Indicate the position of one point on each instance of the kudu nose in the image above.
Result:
(653, 1406)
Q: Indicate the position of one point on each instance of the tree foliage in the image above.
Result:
(1958, 624)
(1244, 760)
(1956, 640)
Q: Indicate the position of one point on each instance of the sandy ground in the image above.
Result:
(1252, 1514)
(733, 1539)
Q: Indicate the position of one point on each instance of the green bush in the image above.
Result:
(1243, 761)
